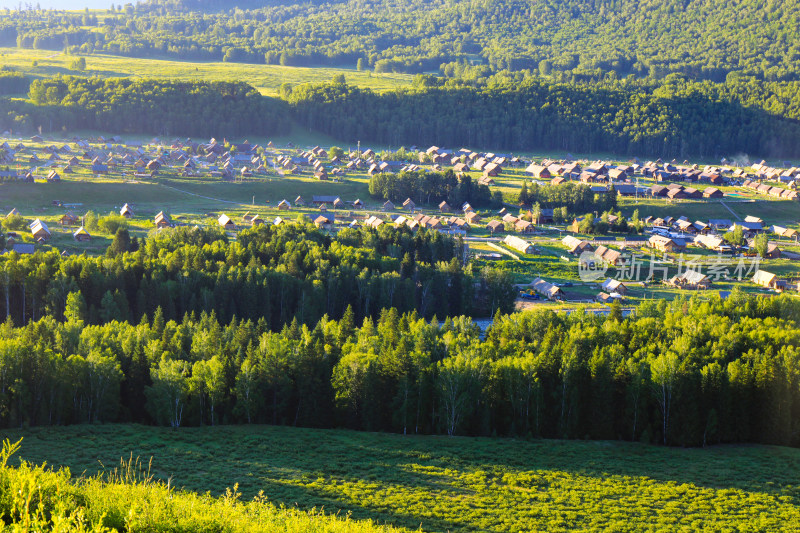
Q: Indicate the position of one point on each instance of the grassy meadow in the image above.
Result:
(266, 78)
(452, 484)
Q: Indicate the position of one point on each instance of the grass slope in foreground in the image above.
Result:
(455, 484)
(33, 498)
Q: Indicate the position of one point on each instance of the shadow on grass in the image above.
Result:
(408, 481)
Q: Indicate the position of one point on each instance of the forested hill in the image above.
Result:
(705, 39)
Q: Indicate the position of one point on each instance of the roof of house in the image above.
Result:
(762, 277)
(691, 276)
(546, 288)
(612, 285)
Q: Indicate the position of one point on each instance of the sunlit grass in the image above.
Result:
(455, 484)
(266, 78)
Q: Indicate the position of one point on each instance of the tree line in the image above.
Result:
(145, 106)
(675, 119)
(688, 372)
(430, 188)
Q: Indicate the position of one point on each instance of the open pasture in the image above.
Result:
(266, 78)
(454, 484)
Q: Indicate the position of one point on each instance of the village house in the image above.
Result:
(126, 211)
(690, 279)
(664, 244)
(605, 298)
(576, 246)
(772, 252)
(409, 205)
(521, 245)
(472, 217)
(492, 170)
(607, 255)
(508, 218)
(495, 226)
(768, 280)
(69, 219)
(388, 205)
(40, 231)
(712, 242)
(611, 285)
(720, 223)
(162, 221)
(785, 232)
(324, 222)
(754, 220)
(547, 289)
(658, 190)
(523, 226)
(225, 221)
(539, 172)
(81, 235)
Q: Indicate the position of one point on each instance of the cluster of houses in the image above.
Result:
(102, 156)
(40, 232)
(620, 175)
(702, 235)
(767, 189)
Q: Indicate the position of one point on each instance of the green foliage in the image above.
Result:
(515, 112)
(735, 236)
(274, 273)
(683, 373)
(144, 106)
(112, 223)
(715, 41)
(121, 242)
(15, 223)
(79, 64)
(761, 244)
(429, 188)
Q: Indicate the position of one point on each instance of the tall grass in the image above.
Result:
(127, 498)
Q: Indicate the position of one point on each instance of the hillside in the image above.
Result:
(705, 39)
(440, 483)
(35, 498)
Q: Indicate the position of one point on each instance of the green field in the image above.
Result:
(266, 78)
(454, 484)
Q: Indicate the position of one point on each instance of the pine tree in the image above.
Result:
(523, 194)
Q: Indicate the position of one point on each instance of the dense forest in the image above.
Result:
(143, 106)
(678, 118)
(430, 188)
(704, 39)
(682, 373)
(270, 273)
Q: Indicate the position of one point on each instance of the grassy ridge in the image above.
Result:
(455, 484)
(266, 78)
